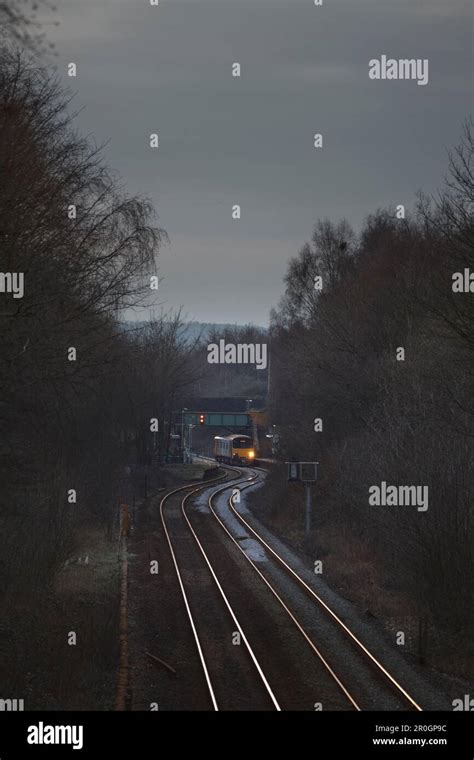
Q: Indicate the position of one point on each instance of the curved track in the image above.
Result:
(374, 661)
(206, 658)
(181, 524)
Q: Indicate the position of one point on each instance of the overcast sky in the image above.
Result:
(224, 141)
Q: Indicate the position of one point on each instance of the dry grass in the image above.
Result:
(42, 667)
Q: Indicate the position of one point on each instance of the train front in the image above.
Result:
(243, 450)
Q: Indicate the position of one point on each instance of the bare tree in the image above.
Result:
(334, 359)
(21, 21)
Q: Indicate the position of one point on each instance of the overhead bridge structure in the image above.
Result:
(202, 418)
(217, 419)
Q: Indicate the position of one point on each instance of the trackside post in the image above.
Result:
(306, 473)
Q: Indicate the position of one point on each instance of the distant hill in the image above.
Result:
(195, 329)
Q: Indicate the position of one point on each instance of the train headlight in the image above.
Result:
(251, 454)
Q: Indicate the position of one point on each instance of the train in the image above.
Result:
(234, 449)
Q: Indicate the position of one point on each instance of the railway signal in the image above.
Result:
(202, 419)
(306, 473)
(293, 471)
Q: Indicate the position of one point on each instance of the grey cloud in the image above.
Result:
(225, 141)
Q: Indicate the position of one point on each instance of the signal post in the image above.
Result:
(306, 473)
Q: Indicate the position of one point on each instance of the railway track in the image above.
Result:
(258, 672)
(215, 630)
(374, 662)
